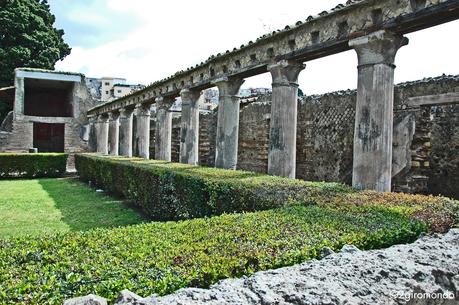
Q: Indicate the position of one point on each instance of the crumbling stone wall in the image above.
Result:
(444, 159)
(207, 138)
(253, 144)
(325, 137)
(175, 146)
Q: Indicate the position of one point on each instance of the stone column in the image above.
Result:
(102, 134)
(228, 122)
(189, 131)
(142, 140)
(282, 150)
(125, 138)
(163, 130)
(113, 133)
(372, 167)
(92, 141)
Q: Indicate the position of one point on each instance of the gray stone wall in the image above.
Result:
(444, 159)
(254, 135)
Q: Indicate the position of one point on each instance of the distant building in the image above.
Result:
(109, 88)
(49, 112)
(209, 98)
(254, 92)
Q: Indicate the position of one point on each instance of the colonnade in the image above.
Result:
(372, 167)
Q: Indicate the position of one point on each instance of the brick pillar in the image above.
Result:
(113, 133)
(102, 134)
(189, 131)
(372, 168)
(228, 122)
(163, 130)
(284, 106)
(143, 130)
(125, 138)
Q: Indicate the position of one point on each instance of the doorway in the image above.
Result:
(48, 137)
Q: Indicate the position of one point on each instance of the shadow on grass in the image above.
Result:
(82, 208)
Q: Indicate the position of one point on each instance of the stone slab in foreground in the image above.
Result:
(425, 272)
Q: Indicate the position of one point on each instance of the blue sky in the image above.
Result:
(147, 40)
(90, 23)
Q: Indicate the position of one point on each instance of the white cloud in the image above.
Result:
(176, 34)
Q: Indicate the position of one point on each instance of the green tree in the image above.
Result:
(28, 37)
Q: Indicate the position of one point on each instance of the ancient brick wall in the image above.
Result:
(152, 137)
(175, 146)
(444, 159)
(207, 137)
(325, 137)
(253, 143)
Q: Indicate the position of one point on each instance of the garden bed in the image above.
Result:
(163, 257)
(293, 221)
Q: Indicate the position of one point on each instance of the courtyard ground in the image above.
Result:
(60, 238)
(41, 206)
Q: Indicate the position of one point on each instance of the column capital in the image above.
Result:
(113, 115)
(164, 102)
(228, 86)
(378, 48)
(102, 118)
(142, 109)
(285, 72)
(126, 112)
(92, 119)
(189, 96)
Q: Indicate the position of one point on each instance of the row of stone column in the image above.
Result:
(372, 167)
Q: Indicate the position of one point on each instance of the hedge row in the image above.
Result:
(14, 165)
(172, 191)
(163, 257)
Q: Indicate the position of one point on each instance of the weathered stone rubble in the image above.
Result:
(388, 276)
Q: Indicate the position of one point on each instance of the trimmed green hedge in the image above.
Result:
(14, 165)
(172, 191)
(163, 257)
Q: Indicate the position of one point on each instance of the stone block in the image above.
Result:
(86, 300)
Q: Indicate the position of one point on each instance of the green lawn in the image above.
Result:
(58, 205)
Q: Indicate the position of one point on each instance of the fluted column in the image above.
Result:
(102, 134)
(228, 122)
(372, 167)
(284, 106)
(113, 133)
(189, 131)
(142, 140)
(163, 130)
(125, 137)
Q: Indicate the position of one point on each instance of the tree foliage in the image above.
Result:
(28, 37)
